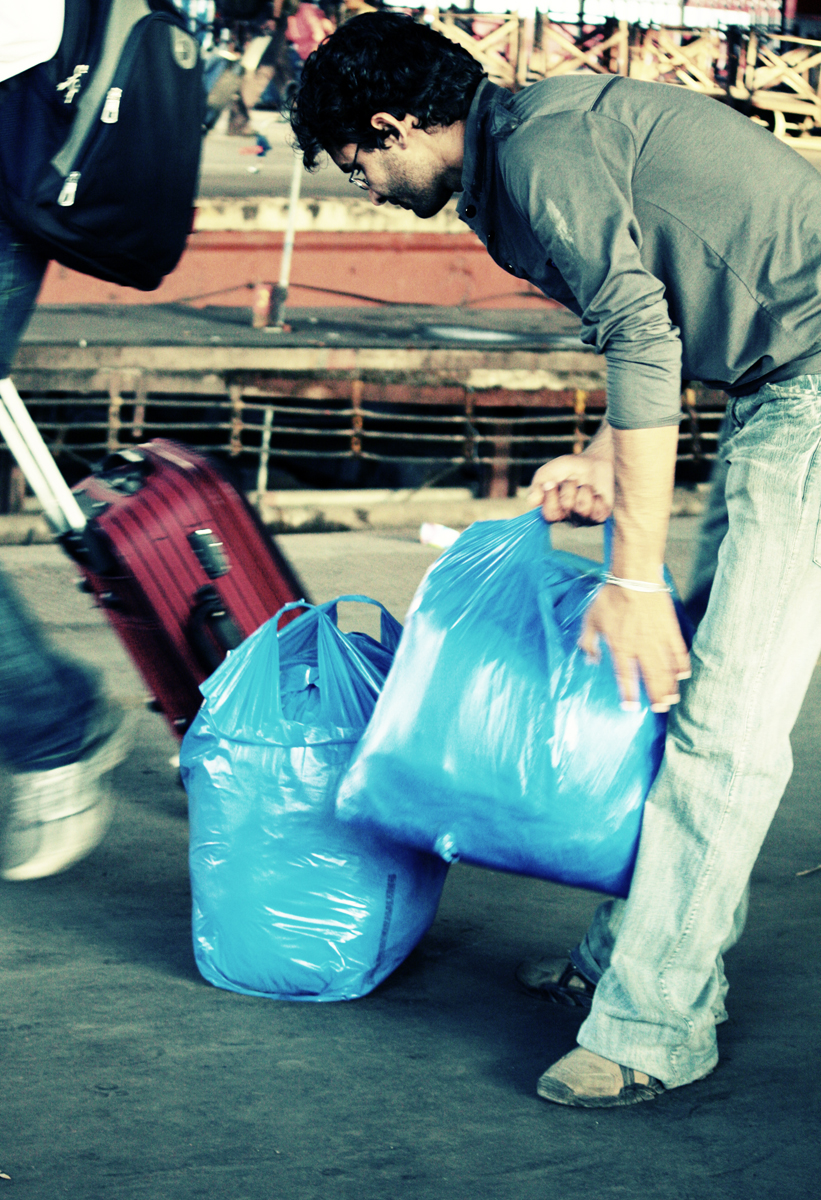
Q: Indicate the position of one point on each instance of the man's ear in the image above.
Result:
(388, 126)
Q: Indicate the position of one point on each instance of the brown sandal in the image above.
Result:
(582, 1080)
(557, 981)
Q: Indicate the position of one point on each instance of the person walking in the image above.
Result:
(687, 240)
(60, 736)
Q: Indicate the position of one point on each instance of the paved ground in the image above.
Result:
(229, 169)
(126, 1077)
(396, 327)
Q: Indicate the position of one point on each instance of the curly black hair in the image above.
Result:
(379, 62)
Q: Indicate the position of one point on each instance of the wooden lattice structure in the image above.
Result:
(493, 40)
(782, 84)
(774, 78)
(555, 51)
(673, 56)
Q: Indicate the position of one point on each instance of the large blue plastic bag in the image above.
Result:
(287, 901)
(494, 739)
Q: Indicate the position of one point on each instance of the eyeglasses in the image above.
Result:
(357, 176)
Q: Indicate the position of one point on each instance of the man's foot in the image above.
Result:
(556, 980)
(59, 816)
(585, 1080)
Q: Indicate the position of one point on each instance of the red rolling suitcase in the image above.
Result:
(172, 552)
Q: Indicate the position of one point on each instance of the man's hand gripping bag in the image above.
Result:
(288, 902)
(494, 740)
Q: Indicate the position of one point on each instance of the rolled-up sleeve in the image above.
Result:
(570, 176)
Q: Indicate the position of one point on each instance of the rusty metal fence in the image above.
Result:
(271, 427)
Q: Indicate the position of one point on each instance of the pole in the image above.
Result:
(281, 290)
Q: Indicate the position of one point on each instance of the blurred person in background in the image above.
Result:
(59, 734)
(307, 27)
(358, 8)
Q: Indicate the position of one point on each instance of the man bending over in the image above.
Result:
(688, 241)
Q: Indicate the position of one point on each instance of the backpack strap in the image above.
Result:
(74, 48)
(123, 16)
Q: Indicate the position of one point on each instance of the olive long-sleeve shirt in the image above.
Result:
(686, 237)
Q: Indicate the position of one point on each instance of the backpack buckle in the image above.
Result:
(71, 86)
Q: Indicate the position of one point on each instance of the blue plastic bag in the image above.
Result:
(287, 901)
(494, 740)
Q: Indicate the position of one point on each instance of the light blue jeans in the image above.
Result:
(657, 957)
(47, 701)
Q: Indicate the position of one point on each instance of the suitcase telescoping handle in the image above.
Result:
(34, 458)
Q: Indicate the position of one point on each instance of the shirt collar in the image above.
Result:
(490, 115)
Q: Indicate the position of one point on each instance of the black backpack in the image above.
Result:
(100, 146)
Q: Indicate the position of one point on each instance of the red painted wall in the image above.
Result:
(328, 269)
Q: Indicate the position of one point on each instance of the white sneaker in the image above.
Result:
(58, 817)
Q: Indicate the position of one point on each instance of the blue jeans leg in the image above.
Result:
(22, 268)
(728, 755)
(46, 701)
(592, 956)
(711, 532)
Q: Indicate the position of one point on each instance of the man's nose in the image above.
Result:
(375, 197)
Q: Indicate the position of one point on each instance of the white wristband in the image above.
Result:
(635, 585)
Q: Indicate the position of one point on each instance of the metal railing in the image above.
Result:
(502, 435)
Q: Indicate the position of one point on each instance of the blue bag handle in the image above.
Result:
(535, 518)
(390, 629)
(609, 528)
(334, 648)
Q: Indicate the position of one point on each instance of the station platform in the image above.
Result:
(127, 1077)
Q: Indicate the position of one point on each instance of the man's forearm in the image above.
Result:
(640, 627)
(645, 462)
(601, 443)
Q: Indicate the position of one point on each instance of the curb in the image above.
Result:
(338, 512)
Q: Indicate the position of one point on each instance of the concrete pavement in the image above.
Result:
(229, 168)
(126, 1077)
